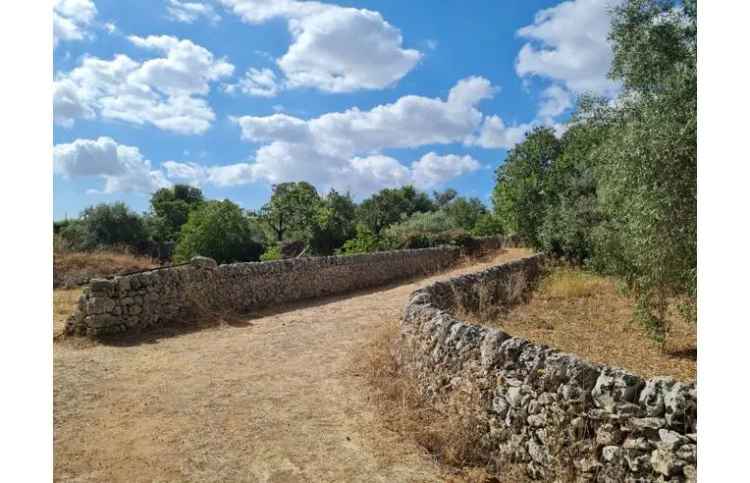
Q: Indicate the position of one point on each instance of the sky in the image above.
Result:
(234, 96)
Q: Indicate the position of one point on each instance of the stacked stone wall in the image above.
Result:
(553, 412)
(160, 296)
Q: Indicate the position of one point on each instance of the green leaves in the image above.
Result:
(520, 196)
(618, 191)
(170, 209)
(389, 206)
(110, 225)
(291, 210)
(222, 231)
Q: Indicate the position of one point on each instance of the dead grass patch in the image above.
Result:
(64, 303)
(590, 315)
(71, 269)
(451, 434)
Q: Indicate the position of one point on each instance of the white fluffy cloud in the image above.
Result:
(191, 173)
(411, 121)
(278, 163)
(165, 91)
(568, 43)
(344, 149)
(122, 167)
(433, 169)
(334, 49)
(257, 82)
(495, 134)
(555, 101)
(71, 18)
(189, 12)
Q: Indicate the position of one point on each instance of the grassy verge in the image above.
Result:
(591, 315)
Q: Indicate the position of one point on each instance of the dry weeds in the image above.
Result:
(590, 315)
(71, 269)
(451, 434)
(64, 303)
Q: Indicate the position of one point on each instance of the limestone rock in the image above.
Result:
(203, 262)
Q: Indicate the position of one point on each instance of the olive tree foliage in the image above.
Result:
(419, 223)
(391, 205)
(618, 191)
(465, 212)
(220, 230)
(519, 196)
(170, 208)
(647, 166)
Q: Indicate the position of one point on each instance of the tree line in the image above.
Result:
(295, 218)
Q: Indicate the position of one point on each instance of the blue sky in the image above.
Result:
(235, 95)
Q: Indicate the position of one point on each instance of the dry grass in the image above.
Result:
(72, 269)
(64, 302)
(591, 316)
(451, 434)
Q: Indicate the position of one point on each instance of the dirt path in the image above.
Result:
(270, 399)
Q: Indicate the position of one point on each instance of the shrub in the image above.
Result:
(273, 252)
(364, 242)
(488, 225)
(465, 212)
(220, 230)
(72, 236)
(421, 224)
(107, 225)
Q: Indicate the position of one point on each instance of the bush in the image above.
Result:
(220, 230)
(72, 236)
(465, 212)
(421, 224)
(273, 252)
(106, 225)
(488, 225)
(364, 242)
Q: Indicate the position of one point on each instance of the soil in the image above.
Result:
(270, 398)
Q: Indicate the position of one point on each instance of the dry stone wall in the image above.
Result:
(537, 406)
(160, 296)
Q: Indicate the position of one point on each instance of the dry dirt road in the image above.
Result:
(273, 398)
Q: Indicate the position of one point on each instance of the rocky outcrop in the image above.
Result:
(554, 412)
